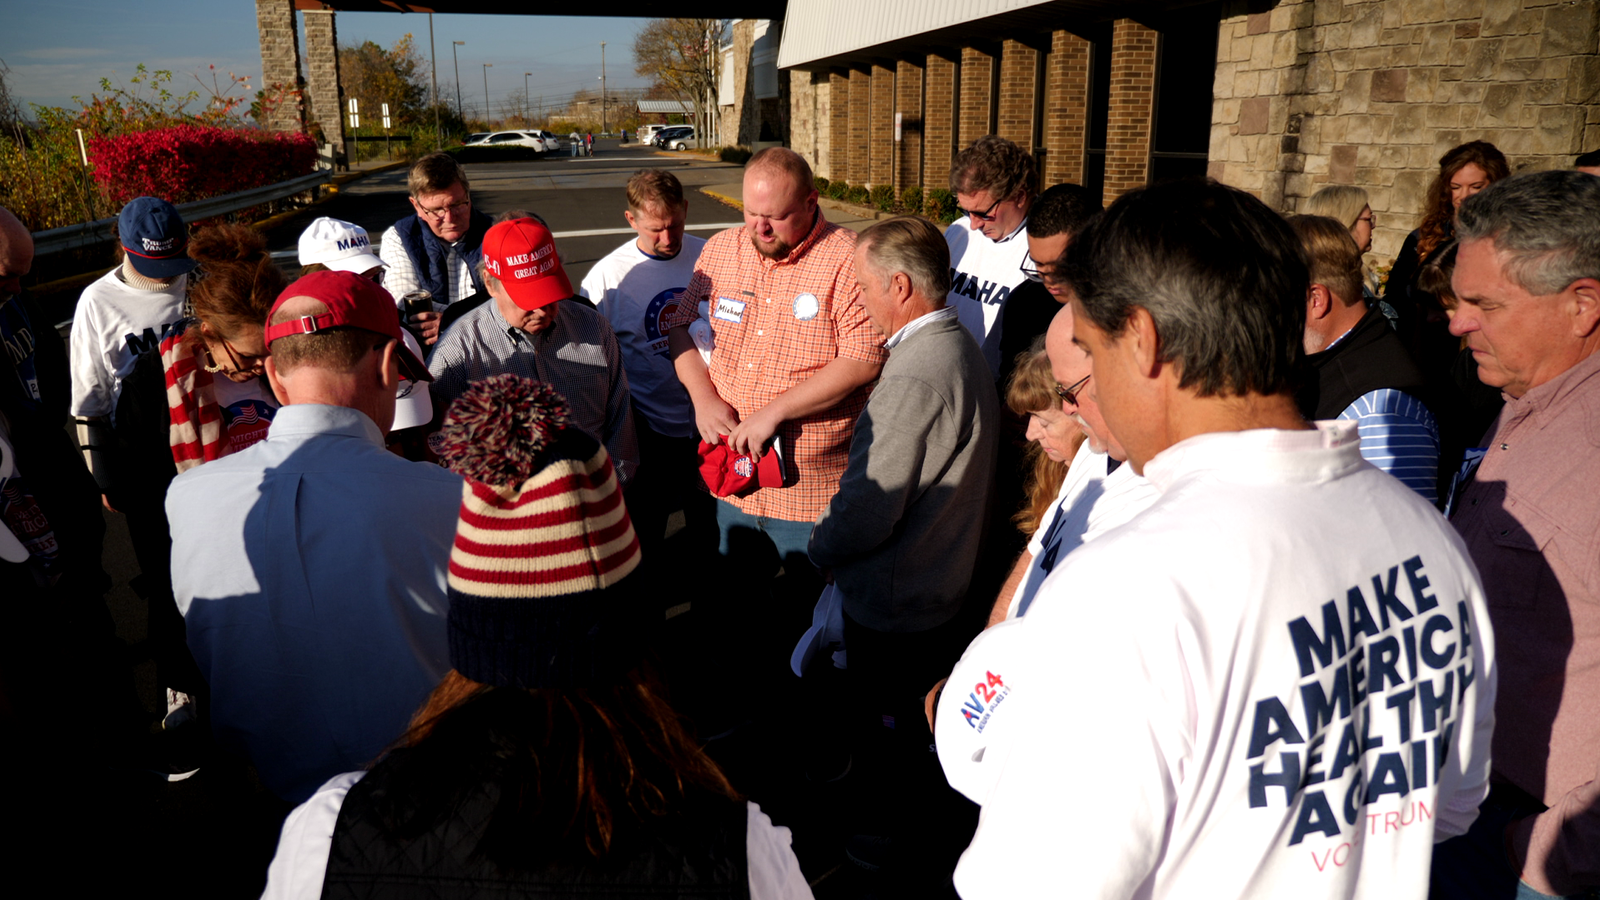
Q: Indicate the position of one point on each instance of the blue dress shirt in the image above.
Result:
(310, 570)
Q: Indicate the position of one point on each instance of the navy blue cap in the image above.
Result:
(155, 237)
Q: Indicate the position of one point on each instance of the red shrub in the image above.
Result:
(193, 162)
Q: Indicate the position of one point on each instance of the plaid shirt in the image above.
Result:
(776, 323)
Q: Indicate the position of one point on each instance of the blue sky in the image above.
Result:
(62, 48)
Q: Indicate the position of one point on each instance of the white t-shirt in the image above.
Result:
(302, 859)
(636, 293)
(983, 273)
(1276, 682)
(113, 324)
(247, 410)
(1089, 504)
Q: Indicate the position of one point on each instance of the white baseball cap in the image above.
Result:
(415, 407)
(339, 245)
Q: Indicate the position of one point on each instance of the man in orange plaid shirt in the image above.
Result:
(795, 357)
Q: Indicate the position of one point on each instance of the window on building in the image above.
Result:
(1185, 69)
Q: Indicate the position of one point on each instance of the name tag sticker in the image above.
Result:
(728, 310)
(806, 307)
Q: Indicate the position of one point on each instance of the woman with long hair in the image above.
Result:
(1350, 206)
(1053, 437)
(1463, 171)
(200, 395)
(547, 763)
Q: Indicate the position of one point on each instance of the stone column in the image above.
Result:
(1128, 127)
(1066, 111)
(280, 63)
(322, 66)
(1019, 70)
(881, 127)
(939, 121)
(838, 126)
(908, 102)
(860, 169)
(977, 97)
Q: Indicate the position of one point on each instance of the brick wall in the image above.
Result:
(839, 126)
(326, 106)
(880, 123)
(1372, 94)
(1066, 112)
(807, 92)
(280, 59)
(1019, 69)
(940, 102)
(1133, 69)
(860, 137)
(977, 100)
(908, 102)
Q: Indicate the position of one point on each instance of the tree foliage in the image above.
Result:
(683, 56)
(397, 76)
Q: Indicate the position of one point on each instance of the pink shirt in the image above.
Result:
(1531, 520)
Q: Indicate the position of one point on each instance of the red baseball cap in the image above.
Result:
(521, 253)
(730, 474)
(353, 302)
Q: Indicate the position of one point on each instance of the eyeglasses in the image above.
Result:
(1030, 270)
(985, 216)
(1071, 394)
(439, 214)
(256, 364)
(1368, 218)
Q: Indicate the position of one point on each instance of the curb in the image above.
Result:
(724, 198)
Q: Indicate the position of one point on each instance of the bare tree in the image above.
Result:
(685, 57)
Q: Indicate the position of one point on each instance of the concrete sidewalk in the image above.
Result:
(732, 194)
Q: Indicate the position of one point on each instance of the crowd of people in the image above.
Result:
(1157, 550)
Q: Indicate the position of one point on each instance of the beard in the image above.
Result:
(777, 250)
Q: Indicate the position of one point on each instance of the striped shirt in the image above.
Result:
(1400, 436)
(578, 356)
(400, 278)
(777, 322)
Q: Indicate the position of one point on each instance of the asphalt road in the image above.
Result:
(583, 194)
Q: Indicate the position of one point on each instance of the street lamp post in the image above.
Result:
(603, 128)
(453, 45)
(433, 67)
(486, 92)
(525, 120)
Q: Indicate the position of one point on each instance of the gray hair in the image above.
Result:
(1545, 222)
(1222, 276)
(912, 245)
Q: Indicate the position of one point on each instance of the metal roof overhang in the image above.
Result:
(828, 34)
(685, 9)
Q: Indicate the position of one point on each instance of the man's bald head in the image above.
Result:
(16, 253)
(781, 162)
(1069, 365)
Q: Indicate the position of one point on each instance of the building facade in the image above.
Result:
(1278, 99)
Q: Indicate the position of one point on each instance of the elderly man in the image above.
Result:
(1222, 689)
(530, 330)
(437, 249)
(921, 458)
(795, 353)
(994, 181)
(310, 568)
(1362, 370)
(1528, 280)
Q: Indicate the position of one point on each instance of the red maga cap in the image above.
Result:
(352, 302)
(730, 474)
(522, 254)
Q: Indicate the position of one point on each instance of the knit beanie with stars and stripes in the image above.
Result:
(539, 585)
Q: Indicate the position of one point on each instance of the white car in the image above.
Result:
(551, 142)
(531, 139)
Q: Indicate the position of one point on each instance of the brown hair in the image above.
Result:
(580, 771)
(434, 173)
(336, 349)
(1332, 255)
(782, 159)
(1435, 274)
(655, 187)
(1438, 214)
(992, 163)
(236, 282)
(1033, 387)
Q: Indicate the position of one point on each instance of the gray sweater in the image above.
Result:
(902, 533)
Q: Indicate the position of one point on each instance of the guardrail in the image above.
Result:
(88, 234)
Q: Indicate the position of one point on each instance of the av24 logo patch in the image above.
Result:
(655, 318)
(985, 696)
